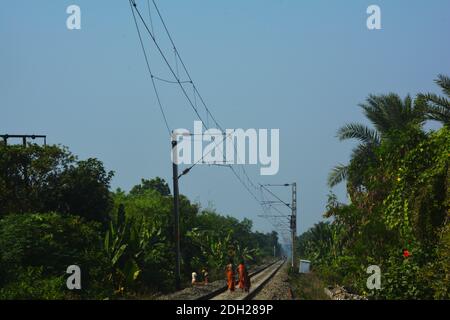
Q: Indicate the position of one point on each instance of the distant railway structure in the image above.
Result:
(24, 138)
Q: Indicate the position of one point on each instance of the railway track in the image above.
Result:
(258, 279)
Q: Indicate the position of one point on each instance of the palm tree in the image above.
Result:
(368, 138)
(438, 108)
(388, 114)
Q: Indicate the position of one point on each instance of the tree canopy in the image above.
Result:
(398, 185)
(56, 211)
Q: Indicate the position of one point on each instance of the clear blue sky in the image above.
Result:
(300, 66)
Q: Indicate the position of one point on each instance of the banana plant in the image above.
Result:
(219, 249)
(115, 246)
(246, 253)
(125, 242)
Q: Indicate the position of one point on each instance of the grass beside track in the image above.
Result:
(307, 286)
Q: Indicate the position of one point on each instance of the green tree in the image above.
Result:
(157, 184)
(83, 189)
(27, 175)
(399, 199)
(388, 114)
(438, 108)
(49, 178)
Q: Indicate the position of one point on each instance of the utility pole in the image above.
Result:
(294, 221)
(176, 206)
(292, 217)
(176, 212)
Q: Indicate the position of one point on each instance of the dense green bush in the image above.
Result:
(40, 247)
(30, 284)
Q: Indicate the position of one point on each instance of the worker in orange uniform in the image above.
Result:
(244, 279)
(230, 276)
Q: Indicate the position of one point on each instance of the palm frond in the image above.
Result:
(435, 99)
(444, 82)
(439, 113)
(337, 175)
(360, 132)
(436, 107)
(389, 112)
(376, 113)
